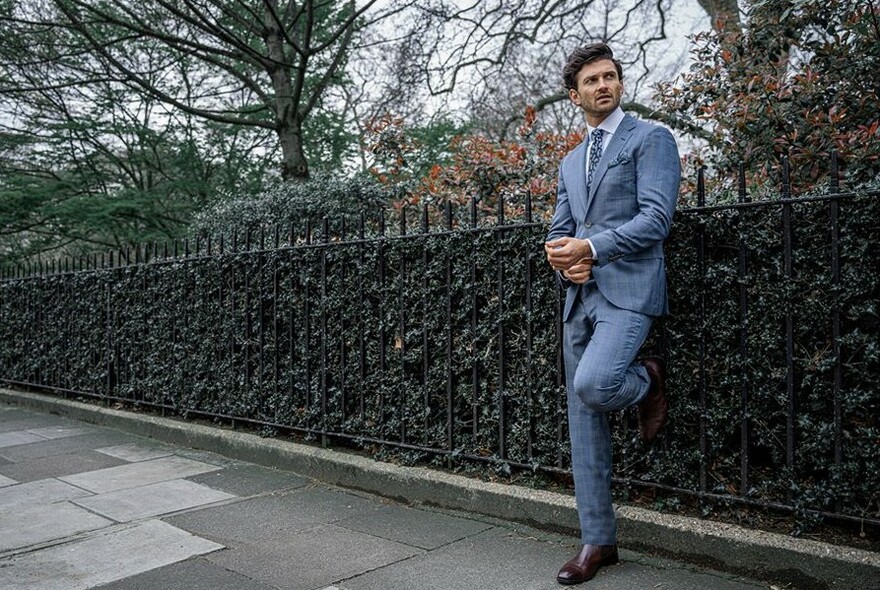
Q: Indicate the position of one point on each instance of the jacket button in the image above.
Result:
(588, 224)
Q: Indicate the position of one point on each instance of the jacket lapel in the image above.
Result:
(618, 141)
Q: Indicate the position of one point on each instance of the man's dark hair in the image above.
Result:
(583, 56)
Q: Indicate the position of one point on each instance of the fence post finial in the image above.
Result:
(835, 172)
(786, 178)
(701, 186)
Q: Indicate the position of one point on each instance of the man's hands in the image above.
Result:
(572, 257)
(580, 272)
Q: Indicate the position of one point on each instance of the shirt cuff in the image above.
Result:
(592, 250)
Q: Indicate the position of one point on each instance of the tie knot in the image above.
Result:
(596, 135)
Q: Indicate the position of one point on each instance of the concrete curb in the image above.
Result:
(801, 563)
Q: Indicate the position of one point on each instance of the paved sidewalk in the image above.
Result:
(84, 506)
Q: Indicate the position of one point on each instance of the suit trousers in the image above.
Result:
(600, 344)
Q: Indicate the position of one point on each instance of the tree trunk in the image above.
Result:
(288, 122)
(724, 14)
(294, 165)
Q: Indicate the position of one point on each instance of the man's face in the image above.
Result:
(598, 90)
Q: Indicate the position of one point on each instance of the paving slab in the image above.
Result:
(192, 574)
(59, 465)
(24, 420)
(204, 456)
(637, 571)
(495, 559)
(247, 479)
(6, 481)
(152, 500)
(51, 432)
(49, 522)
(306, 537)
(501, 559)
(417, 527)
(103, 558)
(314, 558)
(275, 515)
(34, 493)
(18, 437)
(63, 446)
(138, 474)
(139, 451)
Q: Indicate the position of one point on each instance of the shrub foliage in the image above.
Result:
(446, 343)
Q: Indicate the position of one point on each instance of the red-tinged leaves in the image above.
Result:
(802, 87)
(479, 167)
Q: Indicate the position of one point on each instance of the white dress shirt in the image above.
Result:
(609, 125)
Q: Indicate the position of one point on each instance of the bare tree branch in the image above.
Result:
(640, 109)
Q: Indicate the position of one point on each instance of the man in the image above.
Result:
(615, 200)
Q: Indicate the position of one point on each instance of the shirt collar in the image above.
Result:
(610, 124)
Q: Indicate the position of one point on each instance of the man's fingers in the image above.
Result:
(557, 242)
(578, 274)
(564, 255)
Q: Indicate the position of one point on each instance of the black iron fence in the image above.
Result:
(423, 340)
(444, 342)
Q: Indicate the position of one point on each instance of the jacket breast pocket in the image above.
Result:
(620, 180)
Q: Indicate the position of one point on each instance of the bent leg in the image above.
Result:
(607, 378)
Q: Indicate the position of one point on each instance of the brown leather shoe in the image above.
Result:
(584, 565)
(654, 409)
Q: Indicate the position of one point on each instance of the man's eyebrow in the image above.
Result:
(594, 76)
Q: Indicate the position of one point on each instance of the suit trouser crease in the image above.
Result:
(600, 345)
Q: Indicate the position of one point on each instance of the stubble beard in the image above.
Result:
(603, 109)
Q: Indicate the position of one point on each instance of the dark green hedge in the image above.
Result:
(329, 337)
(352, 338)
(798, 452)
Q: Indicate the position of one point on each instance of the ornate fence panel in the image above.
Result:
(443, 341)
(437, 340)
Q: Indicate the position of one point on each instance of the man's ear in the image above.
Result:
(574, 96)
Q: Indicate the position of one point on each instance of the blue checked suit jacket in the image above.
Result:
(626, 215)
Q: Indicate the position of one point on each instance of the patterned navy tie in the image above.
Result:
(595, 155)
